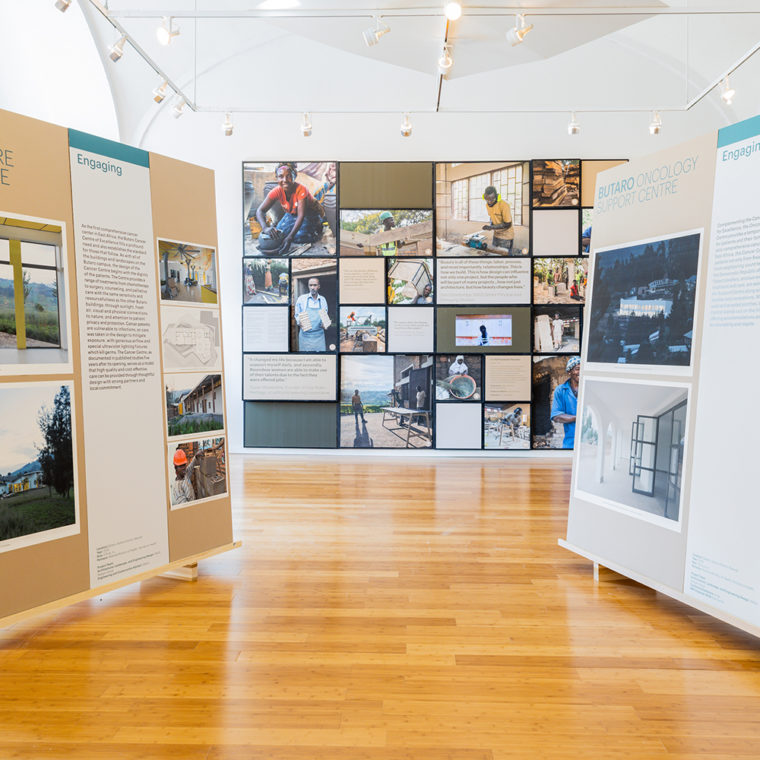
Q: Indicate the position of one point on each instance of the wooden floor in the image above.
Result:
(390, 609)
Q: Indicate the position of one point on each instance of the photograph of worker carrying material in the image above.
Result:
(642, 311)
(410, 282)
(483, 209)
(389, 232)
(556, 183)
(560, 280)
(506, 426)
(557, 329)
(289, 209)
(386, 401)
(362, 329)
(37, 491)
(194, 403)
(314, 288)
(266, 281)
(197, 471)
(458, 377)
(187, 272)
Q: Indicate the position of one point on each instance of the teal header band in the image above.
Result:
(743, 130)
(119, 151)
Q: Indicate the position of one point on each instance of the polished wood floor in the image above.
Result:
(397, 609)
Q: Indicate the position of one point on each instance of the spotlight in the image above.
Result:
(453, 11)
(62, 5)
(117, 49)
(227, 126)
(179, 107)
(727, 95)
(165, 33)
(656, 124)
(573, 127)
(445, 62)
(517, 33)
(306, 127)
(373, 34)
(406, 126)
(159, 94)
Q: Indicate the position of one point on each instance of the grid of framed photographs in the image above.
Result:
(450, 321)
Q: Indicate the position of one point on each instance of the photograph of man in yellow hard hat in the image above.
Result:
(389, 232)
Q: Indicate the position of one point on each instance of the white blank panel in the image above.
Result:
(457, 426)
(555, 232)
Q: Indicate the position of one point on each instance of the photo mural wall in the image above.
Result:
(414, 305)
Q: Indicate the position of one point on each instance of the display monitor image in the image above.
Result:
(484, 330)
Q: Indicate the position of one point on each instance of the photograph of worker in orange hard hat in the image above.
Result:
(197, 471)
(389, 232)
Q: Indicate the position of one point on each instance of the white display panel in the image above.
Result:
(121, 376)
(723, 562)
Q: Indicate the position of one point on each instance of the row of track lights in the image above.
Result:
(166, 32)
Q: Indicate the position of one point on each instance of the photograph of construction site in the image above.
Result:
(483, 209)
(506, 426)
(362, 329)
(386, 401)
(289, 208)
(643, 305)
(556, 183)
(557, 329)
(197, 471)
(194, 403)
(266, 281)
(560, 280)
(458, 377)
(386, 232)
(37, 489)
(187, 272)
(410, 282)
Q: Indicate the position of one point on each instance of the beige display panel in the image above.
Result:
(35, 197)
(182, 215)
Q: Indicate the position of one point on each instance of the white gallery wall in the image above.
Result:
(477, 135)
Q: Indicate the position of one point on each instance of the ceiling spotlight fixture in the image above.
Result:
(517, 33)
(656, 124)
(406, 126)
(445, 62)
(117, 49)
(727, 93)
(573, 127)
(166, 32)
(62, 5)
(453, 11)
(306, 128)
(373, 34)
(159, 94)
(179, 107)
(227, 125)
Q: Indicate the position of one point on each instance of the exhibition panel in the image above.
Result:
(662, 485)
(112, 369)
(351, 270)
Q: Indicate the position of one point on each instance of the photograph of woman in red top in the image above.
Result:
(301, 222)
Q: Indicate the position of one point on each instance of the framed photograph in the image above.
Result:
(555, 400)
(197, 471)
(483, 209)
(386, 232)
(556, 182)
(194, 403)
(506, 426)
(642, 312)
(458, 377)
(187, 272)
(557, 329)
(314, 291)
(363, 329)
(289, 208)
(266, 281)
(560, 280)
(410, 282)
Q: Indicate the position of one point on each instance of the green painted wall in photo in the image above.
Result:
(379, 185)
(290, 425)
